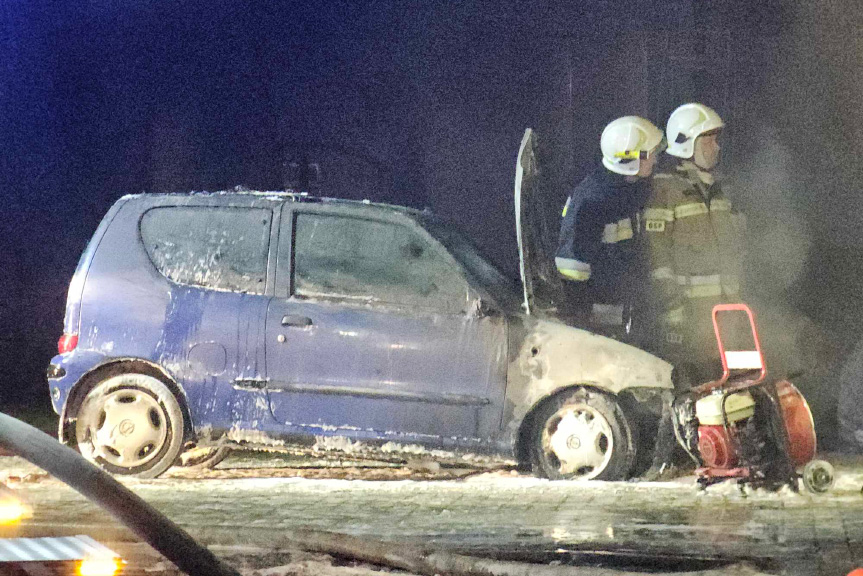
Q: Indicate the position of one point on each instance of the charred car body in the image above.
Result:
(259, 318)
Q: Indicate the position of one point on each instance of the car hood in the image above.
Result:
(549, 355)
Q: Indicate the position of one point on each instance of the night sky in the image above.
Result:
(421, 104)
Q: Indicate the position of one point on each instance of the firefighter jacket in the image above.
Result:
(695, 250)
(599, 247)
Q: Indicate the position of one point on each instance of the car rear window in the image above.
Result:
(375, 261)
(220, 248)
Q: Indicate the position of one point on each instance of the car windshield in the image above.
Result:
(505, 290)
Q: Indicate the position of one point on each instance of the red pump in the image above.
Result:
(747, 427)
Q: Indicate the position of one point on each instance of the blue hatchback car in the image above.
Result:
(249, 319)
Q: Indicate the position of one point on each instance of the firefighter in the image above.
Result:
(599, 243)
(694, 242)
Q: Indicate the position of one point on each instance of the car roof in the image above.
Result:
(433, 224)
(288, 195)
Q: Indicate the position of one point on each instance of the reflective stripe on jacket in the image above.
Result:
(573, 269)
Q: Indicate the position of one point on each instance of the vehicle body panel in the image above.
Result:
(548, 356)
(203, 339)
(461, 378)
(71, 321)
(400, 371)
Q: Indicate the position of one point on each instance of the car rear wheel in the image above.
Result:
(130, 424)
(582, 435)
(204, 457)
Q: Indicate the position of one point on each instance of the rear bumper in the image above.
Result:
(55, 372)
(65, 370)
(60, 382)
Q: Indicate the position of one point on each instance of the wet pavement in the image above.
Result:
(501, 513)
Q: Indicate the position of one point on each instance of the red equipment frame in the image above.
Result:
(726, 371)
(793, 428)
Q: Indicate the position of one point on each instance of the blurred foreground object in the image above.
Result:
(12, 510)
(78, 555)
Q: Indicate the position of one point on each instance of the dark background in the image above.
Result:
(424, 104)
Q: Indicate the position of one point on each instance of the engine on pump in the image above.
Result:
(759, 435)
(734, 430)
(718, 433)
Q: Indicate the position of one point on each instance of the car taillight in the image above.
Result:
(67, 343)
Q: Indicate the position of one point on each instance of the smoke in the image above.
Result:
(770, 185)
(818, 89)
(819, 86)
(777, 236)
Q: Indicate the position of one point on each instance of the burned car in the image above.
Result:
(257, 318)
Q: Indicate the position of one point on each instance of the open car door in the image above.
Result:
(543, 287)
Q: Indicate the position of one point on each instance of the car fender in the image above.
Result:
(548, 356)
(109, 366)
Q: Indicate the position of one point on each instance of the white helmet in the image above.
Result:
(686, 124)
(626, 141)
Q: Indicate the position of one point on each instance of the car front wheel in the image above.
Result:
(582, 435)
(130, 424)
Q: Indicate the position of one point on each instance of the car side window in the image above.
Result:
(215, 247)
(373, 261)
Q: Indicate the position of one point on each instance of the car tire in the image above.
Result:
(130, 424)
(203, 458)
(582, 435)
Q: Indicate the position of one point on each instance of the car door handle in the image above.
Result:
(295, 320)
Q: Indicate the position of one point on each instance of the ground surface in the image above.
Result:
(247, 508)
